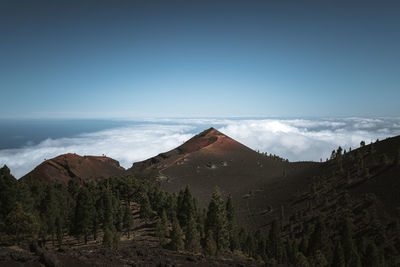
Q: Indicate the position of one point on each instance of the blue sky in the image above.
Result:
(123, 59)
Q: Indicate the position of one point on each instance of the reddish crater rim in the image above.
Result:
(66, 166)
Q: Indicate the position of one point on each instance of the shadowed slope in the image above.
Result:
(264, 188)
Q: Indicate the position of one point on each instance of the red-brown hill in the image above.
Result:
(64, 167)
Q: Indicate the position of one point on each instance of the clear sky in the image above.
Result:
(199, 58)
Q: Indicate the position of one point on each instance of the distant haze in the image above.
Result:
(130, 141)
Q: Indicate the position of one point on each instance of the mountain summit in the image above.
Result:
(211, 140)
(205, 144)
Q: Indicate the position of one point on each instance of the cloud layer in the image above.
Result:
(295, 139)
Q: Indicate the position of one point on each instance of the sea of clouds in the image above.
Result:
(295, 139)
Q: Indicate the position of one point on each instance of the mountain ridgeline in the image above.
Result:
(215, 196)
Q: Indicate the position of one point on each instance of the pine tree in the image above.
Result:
(216, 221)
(107, 238)
(83, 214)
(128, 220)
(162, 230)
(98, 214)
(73, 186)
(171, 206)
(59, 231)
(192, 237)
(146, 212)
(231, 224)
(176, 236)
(21, 225)
(108, 222)
(291, 251)
(242, 236)
(116, 238)
(230, 210)
(210, 244)
(347, 240)
(261, 244)
(8, 192)
(64, 210)
(95, 223)
(118, 212)
(186, 207)
(49, 210)
(339, 151)
(320, 240)
(250, 244)
(274, 241)
(24, 196)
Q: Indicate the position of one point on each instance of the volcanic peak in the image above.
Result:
(203, 140)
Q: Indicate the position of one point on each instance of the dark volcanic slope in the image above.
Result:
(86, 168)
(263, 187)
(212, 159)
